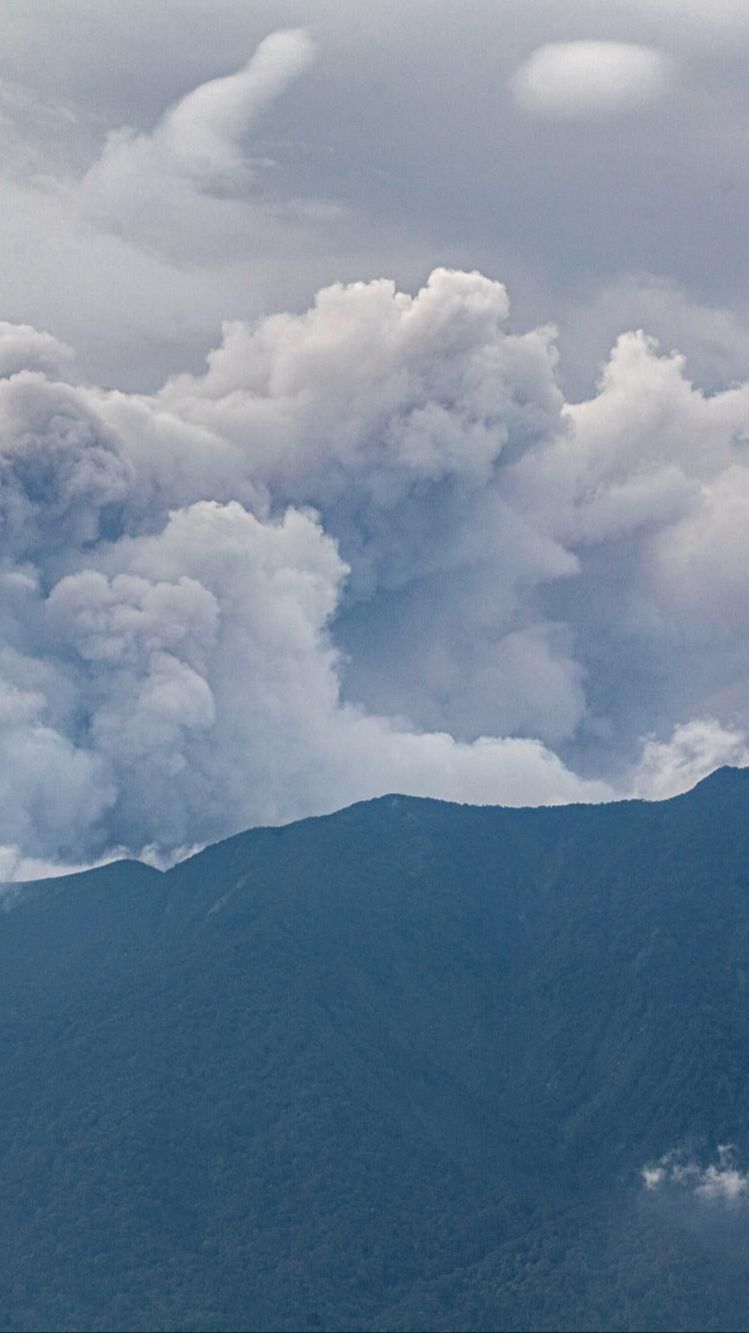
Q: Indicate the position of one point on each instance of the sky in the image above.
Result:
(374, 410)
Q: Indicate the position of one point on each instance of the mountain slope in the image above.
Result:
(398, 1067)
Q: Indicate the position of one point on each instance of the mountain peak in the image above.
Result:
(721, 780)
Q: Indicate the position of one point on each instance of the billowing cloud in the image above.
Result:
(206, 696)
(590, 79)
(24, 348)
(49, 786)
(715, 341)
(370, 548)
(668, 768)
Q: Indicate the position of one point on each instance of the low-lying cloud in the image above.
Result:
(370, 548)
(721, 1182)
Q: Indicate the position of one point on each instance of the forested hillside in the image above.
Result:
(396, 1068)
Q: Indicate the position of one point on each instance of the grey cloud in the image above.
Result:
(60, 469)
(208, 691)
(371, 547)
(425, 156)
(191, 170)
(24, 348)
(714, 340)
(51, 790)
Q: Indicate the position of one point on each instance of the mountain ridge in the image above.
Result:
(400, 1066)
(716, 780)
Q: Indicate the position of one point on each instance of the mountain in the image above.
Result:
(395, 1068)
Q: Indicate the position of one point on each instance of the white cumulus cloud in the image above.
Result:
(590, 79)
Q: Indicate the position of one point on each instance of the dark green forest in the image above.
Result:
(395, 1068)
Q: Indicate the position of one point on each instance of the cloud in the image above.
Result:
(51, 790)
(697, 748)
(207, 696)
(203, 133)
(715, 341)
(586, 79)
(16, 869)
(24, 348)
(128, 249)
(201, 138)
(720, 1182)
(196, 158)
(369, 548)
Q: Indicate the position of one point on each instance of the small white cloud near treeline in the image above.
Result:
(576, 80)
(720, 1182)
